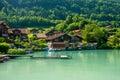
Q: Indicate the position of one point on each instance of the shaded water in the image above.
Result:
(84, 65)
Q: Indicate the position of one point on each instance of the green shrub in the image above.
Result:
(1, 39)
(112, 33)
(104, 46)
(117, 46)
(16, 52)
(4, 47)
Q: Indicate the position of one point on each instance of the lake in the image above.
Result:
(84, 65)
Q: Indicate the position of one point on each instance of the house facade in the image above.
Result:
(18, 32)
(3, 29)
(58, 41)
(10, 34)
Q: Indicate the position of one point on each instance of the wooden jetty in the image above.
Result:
(4, 58)
(52, 57)
(14, 56)
(41, 57)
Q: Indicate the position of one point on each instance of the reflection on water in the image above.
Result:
(84, 65)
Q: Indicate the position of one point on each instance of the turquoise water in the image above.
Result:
(84, 65)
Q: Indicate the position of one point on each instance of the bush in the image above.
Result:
(4, 47)
(104, 46)
(1, 39)
(16, 52)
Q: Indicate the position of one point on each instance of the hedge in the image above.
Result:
(4, 47)
(16, 51)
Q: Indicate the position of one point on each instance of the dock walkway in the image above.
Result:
(41, 57)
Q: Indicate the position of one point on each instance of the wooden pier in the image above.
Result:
(41, 57)
(14, 56)
(4, 58)
(52, 57)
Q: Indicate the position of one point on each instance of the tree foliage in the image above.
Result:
(4, 47)
(25, 13)
(92, 33)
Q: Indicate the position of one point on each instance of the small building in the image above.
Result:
(61, 37)
(3, 29)
(46, 34)
(18, 32)
(58, 41)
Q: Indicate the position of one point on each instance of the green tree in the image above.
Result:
(92, 33)
(113, 42)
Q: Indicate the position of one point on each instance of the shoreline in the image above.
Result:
(4, 58)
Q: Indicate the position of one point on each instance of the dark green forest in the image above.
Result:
(47, 13)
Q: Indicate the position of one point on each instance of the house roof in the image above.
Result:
(41, 36)
(4, 25)
(10, 31)
(55, 36)
(23, 31)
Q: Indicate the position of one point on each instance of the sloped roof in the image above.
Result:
(4, 25)
(41, 36)
(10, 31)
(55, 36)
(23, 31)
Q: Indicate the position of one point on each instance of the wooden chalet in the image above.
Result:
(61, 37)
(18, 32)
(46, 34)
(3, 29)
(58, 41)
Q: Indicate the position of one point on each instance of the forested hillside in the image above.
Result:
(31, 13)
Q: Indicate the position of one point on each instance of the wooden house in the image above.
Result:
(46, 34)
(61, 37)
(3, 29)
(58, 41)
(18, 32)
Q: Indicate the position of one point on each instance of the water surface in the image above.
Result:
(84, 65)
